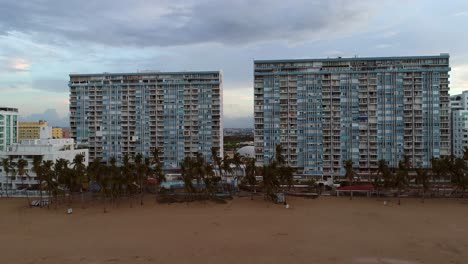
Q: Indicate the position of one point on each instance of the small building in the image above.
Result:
(34, 130)
(66, 133)
(49, 149)
(57, 132)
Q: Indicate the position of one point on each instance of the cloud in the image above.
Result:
(462, 13)
(52, 85)
(459, 78)
(168, 23)
(50, 115)
(14, 65)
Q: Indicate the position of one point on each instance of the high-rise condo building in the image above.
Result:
(8, 127)
(180, 113)
(326, 111)
(459, 116)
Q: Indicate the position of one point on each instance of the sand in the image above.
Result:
(324, 230)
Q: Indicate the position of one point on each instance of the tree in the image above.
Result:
(186, 167)
(400, 179)
(140, 169)
(128, 177)
(383, 172)
(36, 167)
(279, 155)
(63, 174)
(23, 171)
(285, 173)
(80, 176)
(6, 169)
(422, 178)
(439, 170)
(48, 174)
(458, 176)
(103, 180)
(115, 178)
(157, 170)
(271, 183)
(250, 173)
(13, 170)
(237, 162)
(216, 160)
(349, 173)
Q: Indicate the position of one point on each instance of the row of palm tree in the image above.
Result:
(64, 178)
(446, 169)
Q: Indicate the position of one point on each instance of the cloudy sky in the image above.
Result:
(42, 41)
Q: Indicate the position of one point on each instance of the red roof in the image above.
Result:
(367, 187)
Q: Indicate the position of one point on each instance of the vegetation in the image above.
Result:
(233, 142)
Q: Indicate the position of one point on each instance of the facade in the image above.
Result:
(34, 130)
(180, 113)
(459, 116)
(66, 133)
(49, 149)
(326, 111)
(8, 127)
(57, 132)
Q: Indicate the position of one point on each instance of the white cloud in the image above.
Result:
(462, 13)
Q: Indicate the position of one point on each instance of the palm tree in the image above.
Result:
(217, 161)
(62, 173)
(22, 171)
(103, 180)
(13, 171)
(146, 173)
(285, 173)
(115, 178)
(6, 169)
(80, 173)
(459, 178)
(157, 170)
(250, 172)
(350, 174)
(349, 171)
(128, 177)
(94, 169)
(36, 167)
(187, 167)
(400, 179)
(422, 178)
(271, 182)
(48, 176)
(140, 169)
(237, 161)
(279, 155)
(382, 173)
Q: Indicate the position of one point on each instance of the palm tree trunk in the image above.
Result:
(399, 200)
(8, 196)
(141, 191)
(27, 194)
(40, 192)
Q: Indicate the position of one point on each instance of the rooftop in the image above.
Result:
(442, 55)
(8, 109)
(141, 73)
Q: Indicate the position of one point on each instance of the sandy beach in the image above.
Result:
(324, 230)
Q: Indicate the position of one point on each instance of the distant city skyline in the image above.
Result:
(40, 46)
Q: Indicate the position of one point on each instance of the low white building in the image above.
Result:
(49, 149)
